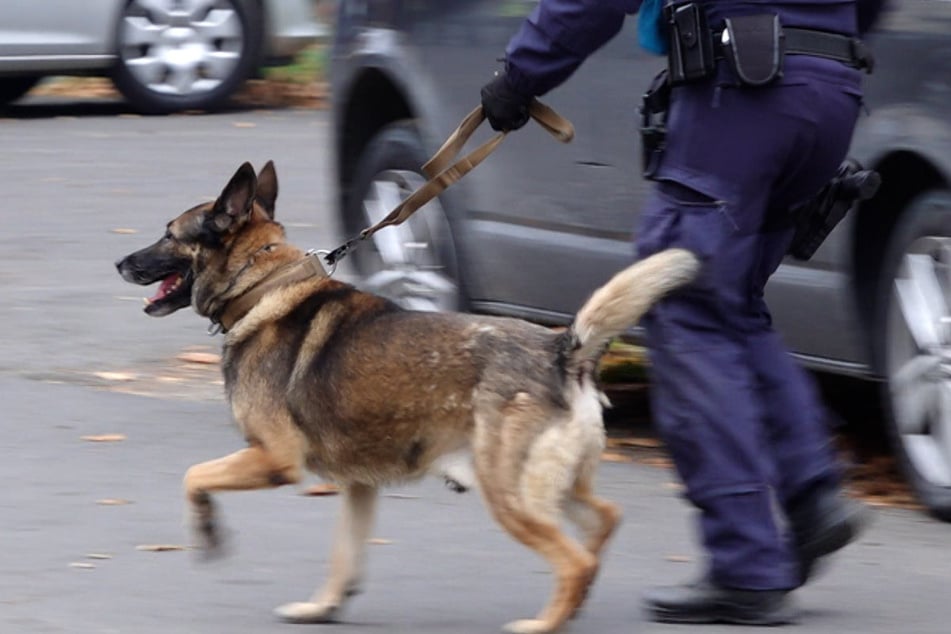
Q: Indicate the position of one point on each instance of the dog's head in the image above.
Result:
(202, 259)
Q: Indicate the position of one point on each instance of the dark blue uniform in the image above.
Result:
(741, 419)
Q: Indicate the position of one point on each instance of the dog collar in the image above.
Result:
(307, 267)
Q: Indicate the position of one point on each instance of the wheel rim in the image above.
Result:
(181, 47)
(919, 359)
(404, 263)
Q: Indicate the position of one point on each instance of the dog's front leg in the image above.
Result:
(255, 467)
(346, 561)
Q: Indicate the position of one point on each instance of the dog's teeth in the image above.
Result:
(148, 302)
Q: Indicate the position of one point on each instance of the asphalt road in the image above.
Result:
(83, 184)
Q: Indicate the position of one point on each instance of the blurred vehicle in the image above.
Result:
(539, 225)
(163, 55)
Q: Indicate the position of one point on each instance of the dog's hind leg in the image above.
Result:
(525, 494)
(596, 517)
(346, 562)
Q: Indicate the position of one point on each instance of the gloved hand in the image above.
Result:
(505, 108)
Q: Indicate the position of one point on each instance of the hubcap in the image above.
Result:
(919, 359)
(404, 263)
(181, 47)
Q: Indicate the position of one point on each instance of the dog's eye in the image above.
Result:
(168, 236)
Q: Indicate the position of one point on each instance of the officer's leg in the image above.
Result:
(808, 475)
(705, 407)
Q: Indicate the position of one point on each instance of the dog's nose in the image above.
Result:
(119, 264)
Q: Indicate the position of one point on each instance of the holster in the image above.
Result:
(818, 216)
(654, 106)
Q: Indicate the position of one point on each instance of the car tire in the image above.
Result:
(915, 339)
(13, 88)
(412, 263)
(172, 59)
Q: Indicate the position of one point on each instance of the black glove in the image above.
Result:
(505, 108)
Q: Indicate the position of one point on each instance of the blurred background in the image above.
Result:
(118, 114)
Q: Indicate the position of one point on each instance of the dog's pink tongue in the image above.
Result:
(167, 284)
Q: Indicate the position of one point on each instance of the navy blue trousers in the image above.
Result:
(742, 420)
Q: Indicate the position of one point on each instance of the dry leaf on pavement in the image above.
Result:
(321, 489)
(113, 502)
(204, 358)
(159, 548)
(104, 437)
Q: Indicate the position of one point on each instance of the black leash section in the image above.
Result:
(443, 173)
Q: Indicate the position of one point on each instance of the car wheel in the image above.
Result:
(412, 263)
(13, 88)
(916, 341)
(175, 55)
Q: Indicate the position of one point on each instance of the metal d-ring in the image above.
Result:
(323, 253)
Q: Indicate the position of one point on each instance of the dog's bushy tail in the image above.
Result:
(621, 302)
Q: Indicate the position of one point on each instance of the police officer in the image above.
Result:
(757, 131)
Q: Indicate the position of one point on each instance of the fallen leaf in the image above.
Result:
(112, 502)
(680, 559)
(379, 541)
(321, 489)
(159, 548)
(401, 496)
(115, 376)
(644, 443)
(611, 456)
(245, 124)
(104, 437)
(98, 556)
(81, 564)
(124, 230)
(660, 463)
(204, 358)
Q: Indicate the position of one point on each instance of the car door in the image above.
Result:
(544, 222)
(44, 30)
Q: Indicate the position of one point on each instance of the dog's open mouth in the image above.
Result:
(174, 292)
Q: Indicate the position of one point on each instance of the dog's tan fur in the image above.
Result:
(323, 377)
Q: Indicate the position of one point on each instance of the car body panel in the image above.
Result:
(67, 36)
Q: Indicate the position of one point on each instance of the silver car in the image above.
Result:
(539, 225)
(163, 55)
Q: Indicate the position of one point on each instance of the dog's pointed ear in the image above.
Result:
(266, 194)
(234, 205)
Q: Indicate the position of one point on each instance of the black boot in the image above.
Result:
(707, 602)
(823, 522)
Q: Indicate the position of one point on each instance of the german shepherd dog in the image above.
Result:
(325, 377)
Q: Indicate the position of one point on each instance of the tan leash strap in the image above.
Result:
(442, 174)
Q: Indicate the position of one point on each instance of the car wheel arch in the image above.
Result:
(374, 100)
(906, 175)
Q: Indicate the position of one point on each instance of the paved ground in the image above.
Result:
(73, 334)
(442, 566)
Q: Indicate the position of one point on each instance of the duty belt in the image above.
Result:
(798, 41)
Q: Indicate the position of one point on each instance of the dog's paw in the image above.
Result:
(455, 486)
(208, 534)
(306, 612)
(528, 626)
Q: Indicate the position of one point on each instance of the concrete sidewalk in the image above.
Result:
(441, 565)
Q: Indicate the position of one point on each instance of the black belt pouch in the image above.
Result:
(753, 45)
(691, 43)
